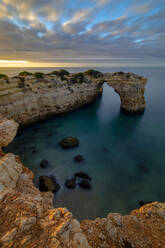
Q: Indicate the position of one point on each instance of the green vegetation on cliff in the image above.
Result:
(25, 73)
(94, 73)
(3, 76)
(38, 74)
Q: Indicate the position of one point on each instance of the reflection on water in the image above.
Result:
(124, 155)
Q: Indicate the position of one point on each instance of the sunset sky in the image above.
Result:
(82, 32)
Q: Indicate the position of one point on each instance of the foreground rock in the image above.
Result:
(69, 142)
(71, 183)
(48, 183)
(44, 163)
(82, 174)
(27, 218)
(84, 184)
(8, 130)
(78, 158)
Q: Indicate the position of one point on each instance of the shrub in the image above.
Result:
(3, 76)
(60, 73)
(78, 78)
(24, 73)
(38, 74)
(93, 73)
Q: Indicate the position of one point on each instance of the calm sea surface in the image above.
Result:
(124, 155)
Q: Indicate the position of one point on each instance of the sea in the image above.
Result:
(124, 155)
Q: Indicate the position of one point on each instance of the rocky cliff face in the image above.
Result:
(29, 99)
(27, 218)
(131, 88)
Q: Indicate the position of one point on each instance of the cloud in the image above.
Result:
(52, 30)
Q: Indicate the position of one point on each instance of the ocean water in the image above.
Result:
(124, 155)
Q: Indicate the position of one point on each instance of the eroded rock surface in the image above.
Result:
(27, 218)
(30, 99)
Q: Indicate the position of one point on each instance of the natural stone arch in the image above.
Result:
(131, 88)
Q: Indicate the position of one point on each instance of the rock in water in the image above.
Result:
(44, 163)
(48, 183)
(69, 142)
(70, 183)
(142, 203)
(78, 158)
(82, 175)
(84, 184)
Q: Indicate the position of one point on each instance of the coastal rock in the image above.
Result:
(131, 88)
(8, 130)
(84, 184)
(78, 158)
(71, 183)
(69, 142)
(48, 183)
(44, 163)
(82, 174)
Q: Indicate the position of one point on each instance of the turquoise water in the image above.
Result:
(124, 155)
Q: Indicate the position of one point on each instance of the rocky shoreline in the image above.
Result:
(27, 217)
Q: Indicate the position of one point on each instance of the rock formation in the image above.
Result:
(130, 88)
(27, 217)
(28, 99)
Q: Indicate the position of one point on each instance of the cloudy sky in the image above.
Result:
(82, 31)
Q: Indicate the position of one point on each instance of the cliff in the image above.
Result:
(27, 218)
(30, 98)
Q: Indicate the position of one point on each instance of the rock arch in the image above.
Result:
(131, 88)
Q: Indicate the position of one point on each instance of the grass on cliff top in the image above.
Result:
(3, 76)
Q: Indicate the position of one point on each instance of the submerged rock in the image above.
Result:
(69, 142)
(143, 169)
(70, 183)
(78, 158)
(84, 184)
(82, 175)
(44, 163)
(48, 183)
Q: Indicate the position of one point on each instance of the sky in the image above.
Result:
(82, 32)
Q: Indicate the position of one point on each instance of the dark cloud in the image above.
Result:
(52, 30)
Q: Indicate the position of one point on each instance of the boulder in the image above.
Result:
(48, 183)
(44, 163)
(84, 184)
(70, 183)
(69, 142)
(78, 158)
(82, 175)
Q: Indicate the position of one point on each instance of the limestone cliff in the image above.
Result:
(29, 99)
(27, 218)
